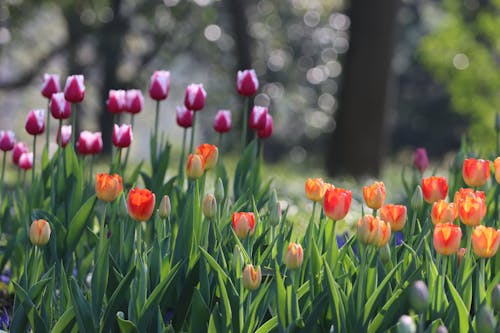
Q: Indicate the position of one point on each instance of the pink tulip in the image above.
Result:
(26, 161)
(420, 159)
(184, 117)
(222, 121)
(60, 108)
(50, 85)
(7, 140)
(19, 149)
(258, 117)
(89, 143)
(74, 90)
(66, 135)
(267, 131)
(247, 82)
(35, 122)
(116, 102)
(195, 97)
(134, 101)
(122, 136)
(160, 85)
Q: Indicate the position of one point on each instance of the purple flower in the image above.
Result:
(4, 320)
(5, 277)
(342, 239)
(398, 238)
(169, 315)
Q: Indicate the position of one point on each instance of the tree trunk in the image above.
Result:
(359, 138)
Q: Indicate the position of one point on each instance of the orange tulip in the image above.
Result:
(336, 203)
(210, 154)
(395, 215)
(40, 232)
(471, 207)
(496, 165)
(251, 277)
(443, 212)
(385, 233)
(140, 204)
(434, 188)
(315, 189)
(195, 166)
(108, 187)
(447, 238)
(294, 256)
(374, 195)
(243, 224)
(369, 230)
(476, 172)
(485, 241)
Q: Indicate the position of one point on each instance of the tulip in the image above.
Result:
(434, 188)
(160, 85)
(258, 117)
(406, 324)
(385, 253)
(210, 154)
(140, 204)
(247, 82)
(60, 108)
(17, 151)
(464, 192)
(336, 203)
(417, 199)
(294, 256)
(476, 172)
(116, 102)
(496, 165)
(243, 224)
(369, 230)
(184, 117)
(267, 131)
(122, 136)
(35, 122)
(315, 189)
(485, 241)
(134, 101)
(165, 207)
(219, 190)
(252, 277)
(395, 215)
(485, 320)
(7, 140)
(495, 298)
(461, 254)
(419, 296)
(66, 135)
(374, 195)
(74, 90)
(108, 187)
(89, 143)
(443, 212)
(441, 329)
(195, 166)
(26, 161)
(420, 159)
(472, 208)
(195, 97)
(209, 206)
(50, 85)
(40, 232)
(222, 121)
(446, 238)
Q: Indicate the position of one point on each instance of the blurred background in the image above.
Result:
(350, 84)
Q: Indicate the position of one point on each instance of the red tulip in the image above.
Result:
(420, 159)
(89, 143)
(134, 101)
(122, 136)
(50, 85)
(195, 97)
(66, 135)
(116, 102)
(258, 117)
(447, 238)
(395, 215)
(247, 82)
(267, 131)
(160, 85)
(35, 122)
(471, 207)
(336, 203)
(476, 172)
(19, 149)
(7, 140)
(243, 224)
(222, 121)
(434, 188)
(74, 90)
(184, 117)
(140, 204)
(60, 108)
(26, 161)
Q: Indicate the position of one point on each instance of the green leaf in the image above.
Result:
(65, 322)
(463, 313)
(199, 313)
(268, 326)
(100, 275)
(78, 223)
(126, 326)
(336, 305)
(280, 297)
(83, 314)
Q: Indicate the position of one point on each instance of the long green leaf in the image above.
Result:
(463, 313)
(65, 322)
(82, 309)
(78, 223)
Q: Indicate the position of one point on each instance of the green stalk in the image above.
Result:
(220, 143)
(245, 125)
(468, 231)
(181, 161)
(412, 228)
(361, 284)
(47, 127)
(157, 116)
(73, 124)
(34, 159)
(129, 147)
(138, 231)
(103, 218)
(4, 159)
(480, 289)
(191, 145)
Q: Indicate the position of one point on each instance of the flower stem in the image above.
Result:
(34, 159)
(73, 124)
(245, 125)
(157, 116)
(47, 127)
(191, 145)
(181, 161)
(129, 147)
(4, 159)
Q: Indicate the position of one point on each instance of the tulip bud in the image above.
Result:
(385, 253)
(406, 325)
(441, 329)
(369, 230)
(417, 199)
(35, 122)
(219, 190)
(222, 121)
(89, 143)
(243, 224)
(116, 102)
(485, 321)
(258, 117)
(164, 208)
(252, 277)
(267, 131)
(122, 136)
(209, 206)
(26, 161)
(134, 101)
(50, 85)
(247, 82)
(237, 259)
(184, 117)
(419, 296)
(274, 209)
(420, 159)
(7, 140)
(39, 232)
(74, 90)
(461, 254)
(294, 256)
(19, 149)
(65, 137)
(195, 166)
(60, 108)
(160, 85)
(195, 97)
